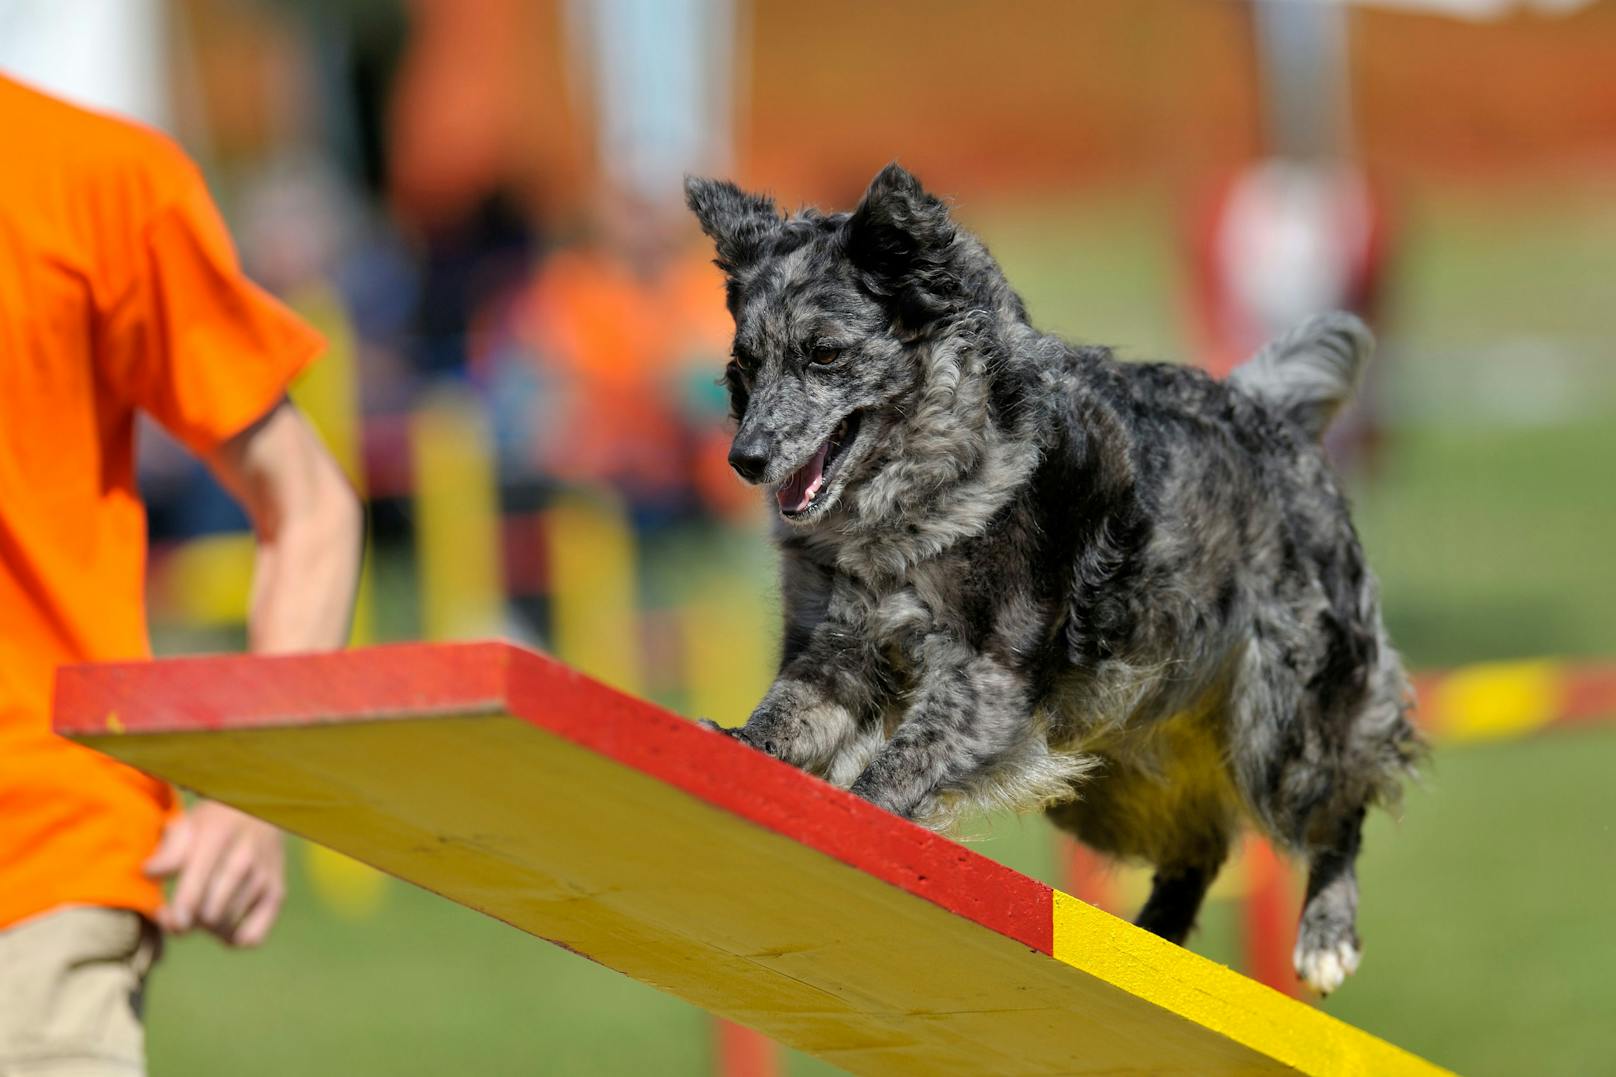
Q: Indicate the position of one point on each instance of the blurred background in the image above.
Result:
(478, 201)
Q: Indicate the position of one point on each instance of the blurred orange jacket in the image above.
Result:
(119, 289)
(618, 344)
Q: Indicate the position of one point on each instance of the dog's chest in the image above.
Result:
(895, 617)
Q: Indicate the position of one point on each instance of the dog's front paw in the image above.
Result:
(733, 732)
(1325, 955)
(881, 795)
(767, 747)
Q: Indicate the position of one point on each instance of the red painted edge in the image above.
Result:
(416, 680)
(174, 695)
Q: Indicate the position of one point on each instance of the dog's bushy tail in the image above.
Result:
(1310, 371)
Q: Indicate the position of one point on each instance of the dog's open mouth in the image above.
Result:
(796, 495)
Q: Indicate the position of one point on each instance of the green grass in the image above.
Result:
(1486, 909)
(422, 987)
(1496, 543)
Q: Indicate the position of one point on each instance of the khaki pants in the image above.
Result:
(70, 993)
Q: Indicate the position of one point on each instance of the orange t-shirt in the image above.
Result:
(119, 289)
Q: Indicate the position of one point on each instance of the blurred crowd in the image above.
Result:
(366, 184)
(488, 193)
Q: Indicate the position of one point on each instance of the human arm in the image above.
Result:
(307, 526)
(228, 866)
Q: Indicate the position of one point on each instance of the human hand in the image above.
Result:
(228, 870)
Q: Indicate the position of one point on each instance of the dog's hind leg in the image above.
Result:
(1175, 900)
(1327, 947)
(1308, 766)
(1183, 875)
(1169, 803)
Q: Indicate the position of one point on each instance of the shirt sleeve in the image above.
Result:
(189, 338)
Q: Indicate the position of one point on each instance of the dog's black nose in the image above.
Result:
(749, 456)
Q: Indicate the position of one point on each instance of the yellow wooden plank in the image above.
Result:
(1219, 999)
(684, 860)
(575, 848)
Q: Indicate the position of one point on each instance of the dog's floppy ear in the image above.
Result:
(902, 238)
(739, 223)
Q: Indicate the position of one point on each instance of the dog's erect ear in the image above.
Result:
(902, 238)
(739, 223)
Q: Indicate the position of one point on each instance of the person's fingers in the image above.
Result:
(171, 849)
(242, 902)
(168, 858)
(261, 879)
(208, 844)
(227, 888)
(229, 872)
(255, 925)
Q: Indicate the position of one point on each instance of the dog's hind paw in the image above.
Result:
(1325, 967)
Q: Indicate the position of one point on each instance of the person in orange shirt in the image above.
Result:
(120, 291)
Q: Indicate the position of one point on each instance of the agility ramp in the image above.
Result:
(509, 783)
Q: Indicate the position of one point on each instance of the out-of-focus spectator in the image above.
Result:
(623, 337)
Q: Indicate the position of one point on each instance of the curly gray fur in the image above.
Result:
(1308, 373)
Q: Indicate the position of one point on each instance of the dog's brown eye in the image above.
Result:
(825, 356)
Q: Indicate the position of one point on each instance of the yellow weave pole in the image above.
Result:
(207, 580)
(457, 539)
(593, 608)
(729, 648)
(728, 652)
(328, 394)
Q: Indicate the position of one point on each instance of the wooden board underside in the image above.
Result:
(692, 864)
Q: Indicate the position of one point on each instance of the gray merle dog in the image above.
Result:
(1019, 573)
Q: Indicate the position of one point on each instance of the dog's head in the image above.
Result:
(829, 311)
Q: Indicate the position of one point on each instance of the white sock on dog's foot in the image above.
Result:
(1326, 969)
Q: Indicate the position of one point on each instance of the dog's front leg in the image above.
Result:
(968, 709)
(817, 704)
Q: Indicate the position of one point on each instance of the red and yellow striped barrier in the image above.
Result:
(1493, 700)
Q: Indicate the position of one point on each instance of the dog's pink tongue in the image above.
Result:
(799, 490)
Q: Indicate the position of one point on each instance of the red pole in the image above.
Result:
(741, 1052)
(1269, 920)
(1087, 877)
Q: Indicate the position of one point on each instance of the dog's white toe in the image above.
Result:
(1326, 969)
